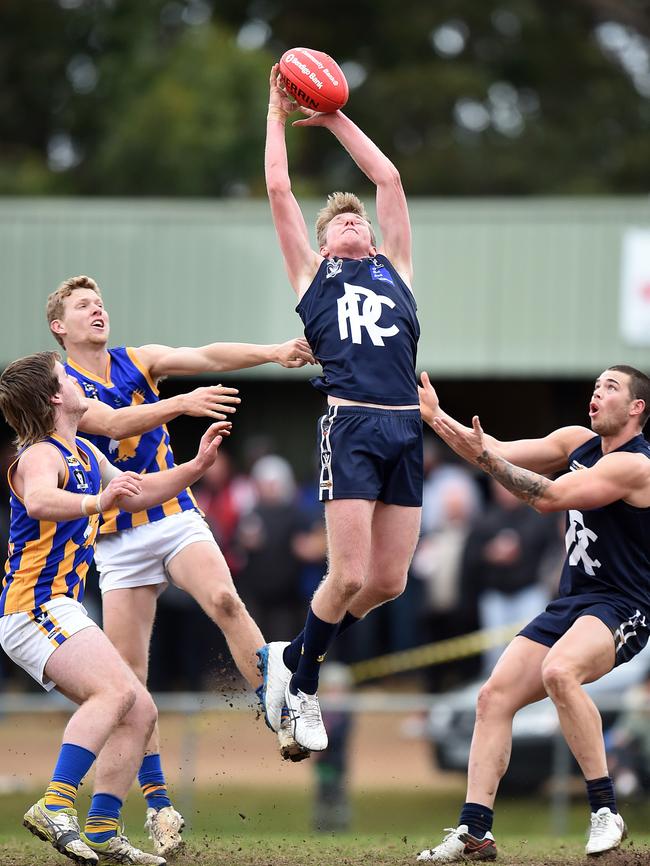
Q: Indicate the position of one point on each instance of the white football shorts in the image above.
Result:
(29, 638)
(139, 556)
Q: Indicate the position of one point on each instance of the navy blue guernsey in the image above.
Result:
(360, 320)
(608, 548)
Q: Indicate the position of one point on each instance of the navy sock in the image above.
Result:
(317, 639)
(72, 765)
(601, 793)
(152, 781)
(293, 651)
(103, 818)
(478, 818)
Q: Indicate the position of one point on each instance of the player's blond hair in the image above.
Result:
(26, 390)
(340, 202)
(54, 308)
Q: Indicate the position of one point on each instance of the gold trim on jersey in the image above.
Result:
(131, 352)
(101, 380)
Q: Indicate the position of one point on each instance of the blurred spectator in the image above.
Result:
(507, 550)
(224, 497)
(269, 579)
(332, 804)
(628, 743)
(444, 611)
(441, 471)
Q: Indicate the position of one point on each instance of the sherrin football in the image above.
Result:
(313, 79)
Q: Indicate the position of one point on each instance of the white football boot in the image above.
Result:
(305, 720)
(164, 827)
(61, 830)
(275, 677)
(459, 846)
(118, 849)
(607, 831)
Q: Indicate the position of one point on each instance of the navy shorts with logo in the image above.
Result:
(629, 626)
(373, 454)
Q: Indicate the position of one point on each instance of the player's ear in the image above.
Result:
(325, 253)
(57, 327)
(373, 251)
(638, 407)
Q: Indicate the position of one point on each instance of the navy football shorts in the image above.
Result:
(373, 454)
(628, 625)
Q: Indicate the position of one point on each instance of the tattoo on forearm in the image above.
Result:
(527, 486)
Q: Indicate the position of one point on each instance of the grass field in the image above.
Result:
(250, 826)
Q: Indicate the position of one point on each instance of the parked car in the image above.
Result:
(537, 743)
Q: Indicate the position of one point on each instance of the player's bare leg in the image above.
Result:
(584, 654)
(515, 682)
(395, 531)
(201, 570)
(349, 531)
(128, 620)
(106, 693)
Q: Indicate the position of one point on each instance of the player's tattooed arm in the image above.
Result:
(525, 485)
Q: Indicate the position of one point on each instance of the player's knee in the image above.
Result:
(390, 586)
(225, 603)
(557, 677)
(121, 698)
(348, 583)
(492, 699)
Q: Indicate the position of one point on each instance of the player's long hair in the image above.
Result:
(54, 308)
(340, 202)
(26, 390)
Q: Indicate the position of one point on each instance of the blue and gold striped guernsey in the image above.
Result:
(128, 383)
(50, 560)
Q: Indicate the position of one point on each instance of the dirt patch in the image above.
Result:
(213, 747)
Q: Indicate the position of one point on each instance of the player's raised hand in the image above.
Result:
(121, 487)
(429, 403)
(295, 353)
(278, 97)
(467, 443)
(210, 442)
(211, 401)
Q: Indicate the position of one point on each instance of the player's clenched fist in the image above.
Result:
(124, 485)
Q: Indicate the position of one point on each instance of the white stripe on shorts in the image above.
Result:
(326, 481)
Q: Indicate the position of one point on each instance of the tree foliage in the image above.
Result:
(167, 97)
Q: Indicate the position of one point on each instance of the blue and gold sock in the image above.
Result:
(152, 781)
(103, 818)
(72, 765)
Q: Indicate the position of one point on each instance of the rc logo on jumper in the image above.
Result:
(577, 540)
(352, 319)
(380, 272)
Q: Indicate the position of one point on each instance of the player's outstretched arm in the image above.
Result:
(222, 357)
(211, 401)
(300, 260)
(133, 492)
(38, 479)
(392, 207)
(621, 475)
(546, 455)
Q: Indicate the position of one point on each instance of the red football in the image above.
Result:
(313, 79)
